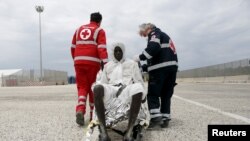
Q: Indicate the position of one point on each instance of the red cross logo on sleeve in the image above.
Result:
(85, 34)
(172, 46)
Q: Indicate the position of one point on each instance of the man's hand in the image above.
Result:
(120, 90)
(102, 65)
(136, 58)
(144, 68)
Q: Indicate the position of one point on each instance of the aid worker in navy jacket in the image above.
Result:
(162, 66)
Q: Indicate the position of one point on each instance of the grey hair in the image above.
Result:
(145, 26)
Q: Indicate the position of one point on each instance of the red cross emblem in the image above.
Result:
(172, 46)
(85, 34)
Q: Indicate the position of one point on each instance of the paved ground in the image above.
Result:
(47, 113)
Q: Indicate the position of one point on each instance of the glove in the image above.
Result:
(102, 65)
(144, 68)
(136, 58)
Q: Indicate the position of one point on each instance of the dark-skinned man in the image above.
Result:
(121, 82)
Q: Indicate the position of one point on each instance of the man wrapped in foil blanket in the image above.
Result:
(120, 94)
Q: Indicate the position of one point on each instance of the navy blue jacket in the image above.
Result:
(160, 51)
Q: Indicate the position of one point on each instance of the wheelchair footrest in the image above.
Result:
(122, 133)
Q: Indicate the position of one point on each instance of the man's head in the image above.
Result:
(96, 17)
(118, 51)
(145, 29)
(118, 54)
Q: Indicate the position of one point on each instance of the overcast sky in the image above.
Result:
(205, 32)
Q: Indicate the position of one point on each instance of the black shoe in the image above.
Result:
(165, 123)
(80, 118)
(155, 123)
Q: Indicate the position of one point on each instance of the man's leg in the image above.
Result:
(154, 92)
(166, 96)
(165, 110)
(92, 72)
(134, 110)
(82, 88)
(100, 111)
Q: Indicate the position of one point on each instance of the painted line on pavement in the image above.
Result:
(238, 117)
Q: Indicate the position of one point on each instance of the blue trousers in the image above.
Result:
(160, 90)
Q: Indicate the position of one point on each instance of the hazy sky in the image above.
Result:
(205, 32)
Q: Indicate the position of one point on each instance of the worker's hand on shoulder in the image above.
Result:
(136, 58)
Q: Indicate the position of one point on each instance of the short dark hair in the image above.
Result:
(96, 17)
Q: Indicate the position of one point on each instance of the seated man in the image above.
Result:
(120, 84)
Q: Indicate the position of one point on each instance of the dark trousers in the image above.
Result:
(160, 90)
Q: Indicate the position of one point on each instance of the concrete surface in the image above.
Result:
(48, 113)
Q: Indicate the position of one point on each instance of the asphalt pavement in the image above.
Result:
(47, 113)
